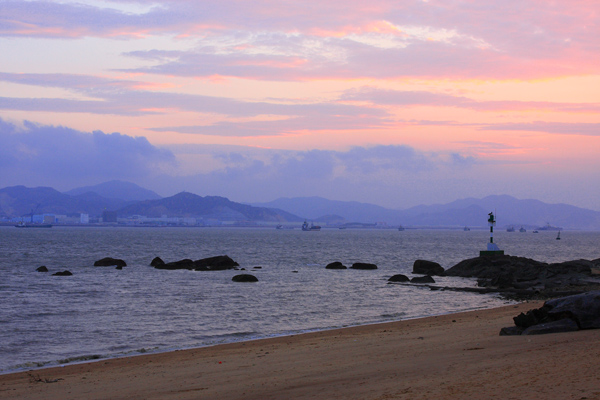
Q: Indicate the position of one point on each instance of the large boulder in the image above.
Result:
(110, 262)
(424, 267)
(580, 311)
(360, 265)
(335, 265)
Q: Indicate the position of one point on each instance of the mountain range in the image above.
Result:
(129, 199)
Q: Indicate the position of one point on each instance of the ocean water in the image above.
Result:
(101, 312)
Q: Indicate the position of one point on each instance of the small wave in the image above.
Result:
(80, 358)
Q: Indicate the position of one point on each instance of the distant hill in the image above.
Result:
(117, 190)
(19, 201)
(186, 204)
(464, 212)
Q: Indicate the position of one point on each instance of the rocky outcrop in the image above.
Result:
(335, 265)
(217, 263)
(363, 266)
(244, 278)
(43, 268)
(424, 267)
(565, 314)
(508, 272)
(110, 262)
(399, 278)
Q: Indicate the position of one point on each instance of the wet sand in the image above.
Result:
(458, 356)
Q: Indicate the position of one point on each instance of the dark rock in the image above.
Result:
(119, 267)
(511, 331)
(562, 325)
(532, 317)
(363, 266)
(181, 264)
(399, 278)
(583, 308)
(336, 265)
(63, 273)
(427, 268)
(422, 279)
(110, 262)
(42, 269)
(244, 278)
(217, 263)
(156, 261)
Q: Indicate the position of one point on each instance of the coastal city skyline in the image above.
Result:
(390, 103)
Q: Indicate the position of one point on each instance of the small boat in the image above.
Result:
(510, 229)
(466, 229)
(400, 228)
(311, 227)
(522, 230)
(535, 231)
(558, 236)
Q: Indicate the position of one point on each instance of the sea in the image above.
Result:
(102, 312)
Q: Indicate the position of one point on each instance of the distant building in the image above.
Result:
(109, 216)
(84, 219)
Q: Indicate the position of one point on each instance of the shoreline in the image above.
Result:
(448, 356)
(95, 358)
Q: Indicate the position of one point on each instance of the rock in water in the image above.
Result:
(244, 278)
(156, 261)
(422, 279)
(336, 265)
(363, 266)
(63, 273)
(110, 262)
(399, 278)
(425, 267)
(43, 268)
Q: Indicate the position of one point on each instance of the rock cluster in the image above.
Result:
(217, 263)
(565, 314)
(110, 262)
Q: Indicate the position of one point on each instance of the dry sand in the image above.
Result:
(459, 356)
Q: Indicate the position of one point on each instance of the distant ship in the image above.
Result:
(311, 227)
(400, 228)
(510, 229)
(549, 227)
(24, 225)
(522, 230)
(466, 229)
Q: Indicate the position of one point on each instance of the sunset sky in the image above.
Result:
(395, 103)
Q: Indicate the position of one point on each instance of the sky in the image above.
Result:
(395, 103)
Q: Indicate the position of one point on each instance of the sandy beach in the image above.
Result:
(458, 356)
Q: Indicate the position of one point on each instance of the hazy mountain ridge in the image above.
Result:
(186, 204)
(470, 212)
(117, 190)
(19, 201)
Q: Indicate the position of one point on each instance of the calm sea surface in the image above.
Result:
(103, 312)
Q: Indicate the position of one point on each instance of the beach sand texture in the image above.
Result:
(457, 356)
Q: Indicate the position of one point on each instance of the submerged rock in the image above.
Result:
(110, 262)
(217, 263)
(422, 279)
(399, 278)
(244, 278)
(63, 273)
(363, 266)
